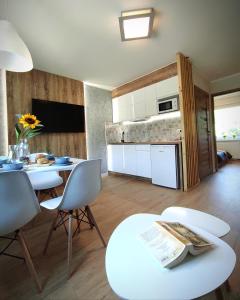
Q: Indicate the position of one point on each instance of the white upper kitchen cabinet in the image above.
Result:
(115, 158)
(151, 100)
(144, 102)
(123, 108)
(115, 110)
(139, 104)
(167, 87)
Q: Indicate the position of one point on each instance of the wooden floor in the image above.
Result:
(121, 196)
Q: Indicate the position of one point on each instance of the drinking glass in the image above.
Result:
(12, 153)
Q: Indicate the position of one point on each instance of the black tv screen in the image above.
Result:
(59, 117)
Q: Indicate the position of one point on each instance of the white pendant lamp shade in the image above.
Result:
(14, 54)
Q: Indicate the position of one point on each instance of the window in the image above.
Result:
(227, 122)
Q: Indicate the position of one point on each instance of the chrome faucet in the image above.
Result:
(122, 139)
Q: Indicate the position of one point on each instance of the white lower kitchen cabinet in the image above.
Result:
(158, 162)
(129, 159)
(115, 158)
(165, 165)
(143, 158)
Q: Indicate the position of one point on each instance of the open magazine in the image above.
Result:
(170, 242)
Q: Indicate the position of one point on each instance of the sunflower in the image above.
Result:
(29, 120)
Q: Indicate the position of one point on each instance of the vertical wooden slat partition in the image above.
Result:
(188, 119)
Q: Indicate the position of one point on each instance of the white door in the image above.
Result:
(129, 159)
(164, 165)
(115, 158)
(143, 158)
(167, 87)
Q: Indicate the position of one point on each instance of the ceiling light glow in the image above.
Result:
(136, 24)
(136, 28)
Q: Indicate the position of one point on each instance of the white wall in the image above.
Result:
(227, 114)
(227, 100)
(225, 83)
(98, 110)
(199, 80)
(233, 147)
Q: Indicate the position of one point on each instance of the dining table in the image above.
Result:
(36, 168)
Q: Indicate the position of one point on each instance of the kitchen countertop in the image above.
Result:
(148, 143)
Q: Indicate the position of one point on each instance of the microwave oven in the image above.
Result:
(168, 104)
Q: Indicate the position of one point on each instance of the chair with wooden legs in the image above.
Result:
(44, 183)
(18, 206)
(83, 186)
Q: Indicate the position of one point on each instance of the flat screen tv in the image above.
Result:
(58, 116)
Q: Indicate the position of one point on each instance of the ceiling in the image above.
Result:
(227, 100)
(81, 39)
(229, 95)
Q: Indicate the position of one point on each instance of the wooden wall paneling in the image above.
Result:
(204, 131)
(214, 142)
(211, 124)
(188, 119)
(22, 87)
(156, 76)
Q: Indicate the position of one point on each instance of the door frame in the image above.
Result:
(213, 120)
(210, 128)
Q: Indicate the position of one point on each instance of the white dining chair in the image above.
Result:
(45, 182)
(82, 187)
(18, 206)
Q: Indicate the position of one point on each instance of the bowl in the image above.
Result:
(3, 160)
(62, 160)
(50, 157)
(12, 166)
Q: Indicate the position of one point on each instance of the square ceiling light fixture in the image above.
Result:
(136, 24)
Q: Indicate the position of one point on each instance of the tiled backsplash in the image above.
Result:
(150, 131)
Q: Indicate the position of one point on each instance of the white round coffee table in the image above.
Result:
(133, 273)
(197, 218)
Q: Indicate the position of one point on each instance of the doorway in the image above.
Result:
(227, 122)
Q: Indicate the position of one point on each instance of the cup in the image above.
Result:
(50, 157)
(3, 160)
(62, 160)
